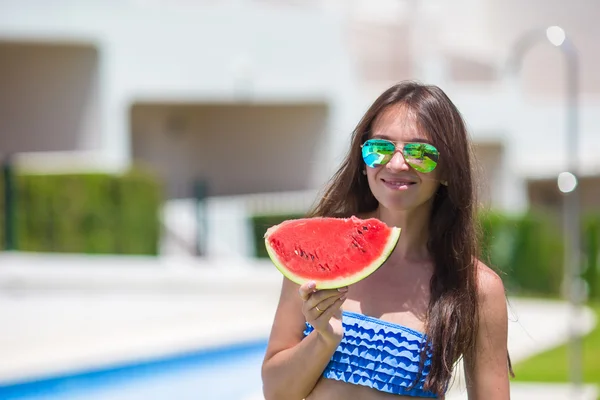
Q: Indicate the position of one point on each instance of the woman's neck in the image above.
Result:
(415, 230)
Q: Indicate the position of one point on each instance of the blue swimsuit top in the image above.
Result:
(380, 355)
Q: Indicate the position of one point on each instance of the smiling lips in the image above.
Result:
(399, 183)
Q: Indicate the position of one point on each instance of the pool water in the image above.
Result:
(231, 373)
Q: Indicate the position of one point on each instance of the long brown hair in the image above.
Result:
(452, 317)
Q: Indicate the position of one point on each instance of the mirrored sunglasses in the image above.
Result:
(423, 157)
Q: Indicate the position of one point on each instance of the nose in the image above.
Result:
(398, 163)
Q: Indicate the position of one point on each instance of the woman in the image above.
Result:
(399, 332)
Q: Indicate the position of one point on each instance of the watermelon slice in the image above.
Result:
(332, 252)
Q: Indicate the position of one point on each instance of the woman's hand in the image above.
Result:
(322, 309)
(294, 363)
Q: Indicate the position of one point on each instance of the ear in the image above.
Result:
(364, 171)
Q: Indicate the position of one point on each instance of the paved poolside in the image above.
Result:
(63, 313)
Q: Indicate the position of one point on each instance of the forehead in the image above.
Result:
(397, 123)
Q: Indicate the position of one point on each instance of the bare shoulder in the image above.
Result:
(493, 311)
(490, 288)
(486, 369)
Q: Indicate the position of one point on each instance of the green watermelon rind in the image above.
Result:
(392, 241)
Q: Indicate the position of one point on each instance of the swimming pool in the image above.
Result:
(230, 373)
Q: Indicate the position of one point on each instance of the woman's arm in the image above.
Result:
(293, 365)
(486, 370)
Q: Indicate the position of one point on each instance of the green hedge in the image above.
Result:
(591, 242)
(526, 250)
(88, 213)
(260, 224)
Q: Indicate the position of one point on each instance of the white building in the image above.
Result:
(260, 96)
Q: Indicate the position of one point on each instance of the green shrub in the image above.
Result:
(591, 259)
(528, 252)
(93, 213)
(496, 239)
(496, 242)
(260, 224)
(537, 256)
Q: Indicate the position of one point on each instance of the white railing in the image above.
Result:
(223, 225)
(279, 202)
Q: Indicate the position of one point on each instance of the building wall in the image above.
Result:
(488, 161)
(338, 53)
(543, 68)
(544, 194)
(234, 148)
(48, 97)
(199, 52)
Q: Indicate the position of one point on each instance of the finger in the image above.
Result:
(318, 303)
(321, 295)
(332, 310)
(328, 302)
(306, 290)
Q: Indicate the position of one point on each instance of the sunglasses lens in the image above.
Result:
(423, 157)
(377, 152)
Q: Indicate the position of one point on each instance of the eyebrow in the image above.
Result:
(412, 140)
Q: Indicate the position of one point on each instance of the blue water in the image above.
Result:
(231, 373)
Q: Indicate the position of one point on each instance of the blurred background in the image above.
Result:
(146, 145)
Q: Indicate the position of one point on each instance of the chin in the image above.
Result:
(399, 204)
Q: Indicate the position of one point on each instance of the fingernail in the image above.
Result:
(343, 298)
(312, 285)
(343, 289)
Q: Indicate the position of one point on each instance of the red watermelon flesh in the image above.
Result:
(333, 252)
